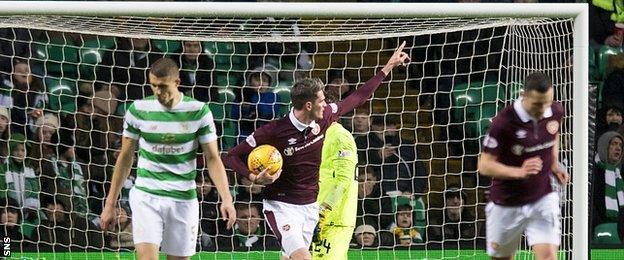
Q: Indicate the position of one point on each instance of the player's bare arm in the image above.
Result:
(219, 178)
(120, 174)
(490, 167)
(357, 98)
(562, 175)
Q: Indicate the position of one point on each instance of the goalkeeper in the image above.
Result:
(338, 190)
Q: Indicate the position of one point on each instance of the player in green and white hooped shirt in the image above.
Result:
(167, 127)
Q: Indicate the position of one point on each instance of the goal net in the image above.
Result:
(67, 81)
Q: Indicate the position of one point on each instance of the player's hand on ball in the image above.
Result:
(107, 216)
(229, 213)
(530, 167)
(264, 178)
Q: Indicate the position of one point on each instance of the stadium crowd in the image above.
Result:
(61, 124)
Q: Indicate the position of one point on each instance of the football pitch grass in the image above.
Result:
(599, 254)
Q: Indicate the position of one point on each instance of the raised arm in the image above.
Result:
(359, 96)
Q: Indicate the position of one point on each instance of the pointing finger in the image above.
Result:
(400, 49)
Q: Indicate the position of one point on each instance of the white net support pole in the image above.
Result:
(580, 174)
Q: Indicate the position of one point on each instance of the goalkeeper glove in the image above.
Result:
(319, 236)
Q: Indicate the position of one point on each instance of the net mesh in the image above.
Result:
(70, 76)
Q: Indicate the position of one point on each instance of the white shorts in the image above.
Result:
(539, 220)
(168, 223)
(293, 225)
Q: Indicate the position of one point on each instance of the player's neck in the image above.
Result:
(527, 108)
(174, 101)
(302, 117)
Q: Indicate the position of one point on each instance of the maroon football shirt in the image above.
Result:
(514, 137)
(300, 146)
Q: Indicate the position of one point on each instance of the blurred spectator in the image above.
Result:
(16, 42)
(402, 232)
(457, 225)
(47, 125)
(17, 176)
(337, 79)
(607, 184)
(120, 235)
(26, 99)
(248, 191)
(5, 132)
(63, 177)
(97, 126)
(196, 72)
(383, 149)
(249, 232)
(612, 89)
(19, 181)
(372, 208)
(361, 121)
(128, 66)
(10, 222)
(603, 17)
(63, 231)
(608, 118)
(208, 212)
(364, 236)
(258, 103)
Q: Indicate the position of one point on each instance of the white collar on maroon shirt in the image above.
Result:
(524, 115)
(300, 126)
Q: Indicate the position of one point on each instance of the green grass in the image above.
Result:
(597, 254)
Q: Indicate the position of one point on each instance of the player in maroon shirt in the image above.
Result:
(520, 154)
(290, 196)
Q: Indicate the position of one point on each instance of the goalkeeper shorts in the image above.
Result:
(170, 224)
(538, 220)
(335, 244)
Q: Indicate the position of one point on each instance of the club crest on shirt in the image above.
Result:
(552, 127)
(344, 153)
(490, 142)
(292, 141)
(289, 151)
(316, 129)
(521, 134)
(185, 127)
(251, 140)
(517, 149)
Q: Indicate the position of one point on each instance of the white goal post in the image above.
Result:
(578, 12)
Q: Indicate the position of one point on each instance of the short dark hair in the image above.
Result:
(332, 93)
(165, 67)
(454, 192)
(387, 119)
(52, 200)
(305, 90)
(537, 81)
(246, 206)
(404, 207)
